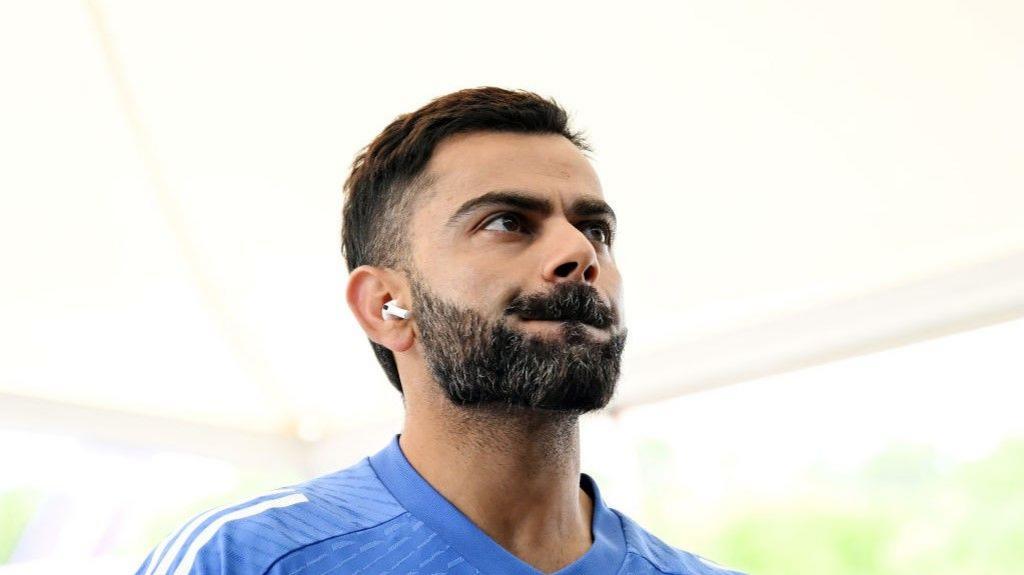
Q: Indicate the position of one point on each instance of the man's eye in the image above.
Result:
(599, 232)
(506, 223)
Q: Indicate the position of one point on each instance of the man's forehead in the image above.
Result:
(470, 165)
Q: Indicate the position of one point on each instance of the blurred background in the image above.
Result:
(821, 236)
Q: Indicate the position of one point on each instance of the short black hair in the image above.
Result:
(388, 172)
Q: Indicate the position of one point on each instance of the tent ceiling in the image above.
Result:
(171, 200)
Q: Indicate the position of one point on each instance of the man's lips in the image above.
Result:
(526, 318)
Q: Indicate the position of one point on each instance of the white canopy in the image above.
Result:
(795, 182)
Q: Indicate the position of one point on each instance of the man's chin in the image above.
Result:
(578, 398)
(515, 406)
(514, 410)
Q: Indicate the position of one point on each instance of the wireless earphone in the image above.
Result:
(391, 308)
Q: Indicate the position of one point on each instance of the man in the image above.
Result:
(479, 247)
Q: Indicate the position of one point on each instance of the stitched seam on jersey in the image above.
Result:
(625, 540)
(633, 546)
(345, 534)
(652, 564)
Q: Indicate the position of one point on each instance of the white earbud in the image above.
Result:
(391, 308)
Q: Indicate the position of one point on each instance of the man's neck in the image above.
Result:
(515, 474)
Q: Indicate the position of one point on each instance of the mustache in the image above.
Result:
(567, 302)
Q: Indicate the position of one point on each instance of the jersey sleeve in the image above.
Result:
(181, 555)
(242, 539)
(146, 563)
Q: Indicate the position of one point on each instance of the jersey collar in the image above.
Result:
(413, 492)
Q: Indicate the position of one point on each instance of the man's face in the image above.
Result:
(516, 296)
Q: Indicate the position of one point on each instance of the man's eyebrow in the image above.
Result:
(509, 198)
(530, 203)
(592, 207)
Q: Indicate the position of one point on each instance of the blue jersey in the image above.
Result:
(380, 516)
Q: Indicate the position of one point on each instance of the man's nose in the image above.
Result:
(573, 258)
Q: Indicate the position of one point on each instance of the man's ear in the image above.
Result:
(369, 288)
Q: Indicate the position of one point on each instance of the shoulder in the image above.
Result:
(252, 535)
(642, 545)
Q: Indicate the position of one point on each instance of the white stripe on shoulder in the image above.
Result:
(156, 554)
(160, 566)
(204, 537)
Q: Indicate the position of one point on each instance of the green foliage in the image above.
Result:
(904, 514)
(805, 540)
(16, 509)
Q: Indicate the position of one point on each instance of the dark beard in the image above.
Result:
(479, 363)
